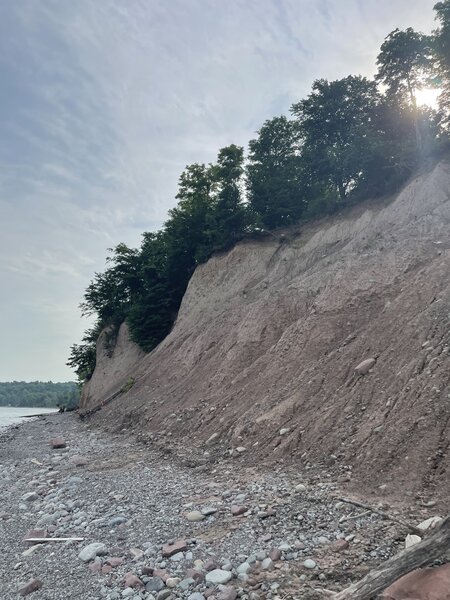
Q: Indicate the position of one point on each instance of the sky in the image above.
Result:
(102, 105)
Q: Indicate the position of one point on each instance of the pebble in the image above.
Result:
(237, 510)
(195, 515)
(32, 586)
(309, 564)
(284, 547)
(92, 550)
(267, 564)
(228, 592)
(243, 568)
(30, 497)
(170, 549)
(218, 576)
(29, 551)
(196, 596)
(154, 584)
(208, 510)
(116, 521)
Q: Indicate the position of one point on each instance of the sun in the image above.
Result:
(427, 97)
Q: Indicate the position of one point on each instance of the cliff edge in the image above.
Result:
(263, 353)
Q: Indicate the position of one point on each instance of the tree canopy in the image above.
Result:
(39, 394)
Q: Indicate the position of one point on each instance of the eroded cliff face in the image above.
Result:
(117, 356)
(269, 335)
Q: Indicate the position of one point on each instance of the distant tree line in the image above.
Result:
(39, 393)
(349, 139)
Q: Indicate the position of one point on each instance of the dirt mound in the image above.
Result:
(269, 335)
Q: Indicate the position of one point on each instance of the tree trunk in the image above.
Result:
(412, 96)
(416, 556)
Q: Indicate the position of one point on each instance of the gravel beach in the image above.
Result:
(157, 530)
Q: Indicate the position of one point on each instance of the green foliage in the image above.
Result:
(228, 219)
(82, 356)
(441, 47)
(39, 394)
(274, 183)
(128, 385)
(334, 121)
(347, 140)
(405, 66)
(405, 62)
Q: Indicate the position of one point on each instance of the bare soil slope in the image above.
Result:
(269, 335)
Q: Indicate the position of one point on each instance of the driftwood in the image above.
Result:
(41, 540)
(385, 515)
(419, 555)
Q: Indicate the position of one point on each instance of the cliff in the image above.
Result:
(269, 335)
(116, 358)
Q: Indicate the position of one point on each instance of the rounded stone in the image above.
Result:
(309, 564)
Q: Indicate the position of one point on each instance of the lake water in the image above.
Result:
(11, 415)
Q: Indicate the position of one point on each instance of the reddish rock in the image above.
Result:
(95, 566)
(237, 510)
(131, 580)
(57, 442)
(115, 561)
(340, 545)
(161, 573)
(209, 592)
(32, 586)
(79, 461)
(171, 549)
(106, 569)
(275, 554)
(210, 565)
(421, 584)
(228, 593)
(35, 533)
(196, 575)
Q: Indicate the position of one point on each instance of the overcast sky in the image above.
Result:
(103, 103)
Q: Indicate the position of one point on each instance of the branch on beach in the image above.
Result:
(419, 555)
(385, 515)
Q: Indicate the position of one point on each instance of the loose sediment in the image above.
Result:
(155, 529)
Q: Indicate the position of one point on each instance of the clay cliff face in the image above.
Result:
(116, 358)
(269, 335)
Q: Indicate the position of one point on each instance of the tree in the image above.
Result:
(404, 65)
(441, 45)
(334, 122)
(150, 317)
(82, 357)
(229, 218)
(111, 293)
(273, 173)
(39, 393)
